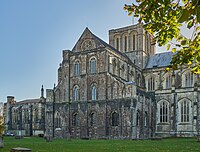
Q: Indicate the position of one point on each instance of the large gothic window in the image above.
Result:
(188, 79)
(76, 93)
(151, 84)
(77, 68)
(94, 92)
(168, 81)
(164, 111)
(184, 105)
(93, 66)
(58, 122)
(75, 119)
(115, 119)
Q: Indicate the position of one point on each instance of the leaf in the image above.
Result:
(183, 42)
(185, 1)
(174, 50)
(184, 16)
(167, 69)
(198, 59)
(190, 24)
(189, 63)
(168, 46)
(198, 28)
(198, 14)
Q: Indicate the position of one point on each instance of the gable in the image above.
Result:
(87, 41)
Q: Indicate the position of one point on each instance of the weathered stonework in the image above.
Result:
(120, 93)
(25, 118)
(118, 90)
(130, 85)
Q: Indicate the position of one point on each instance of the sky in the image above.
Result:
(33, 34)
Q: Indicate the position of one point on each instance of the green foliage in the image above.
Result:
(63, 145)
(163, 19)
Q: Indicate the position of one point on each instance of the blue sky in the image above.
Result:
(33, 34)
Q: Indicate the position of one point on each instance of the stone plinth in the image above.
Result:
(20, 149)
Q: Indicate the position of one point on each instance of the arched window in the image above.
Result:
(93, 66)
(133, 42)
(58, 122)
(114, 67)
(185, 111)
(178, 80)
(164, 111)
(125, 44)
(124, 92)
(151, 84)
(76, 93)
(115, 119)
(138, 118)
(132, 76)
(117, 43)
(92, 119)
(188, 79)
(75, 119)
(77, 68)
(94, 92)
(168, 81)
(123, 72)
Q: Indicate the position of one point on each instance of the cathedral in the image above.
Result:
(120, 90)
(24, 118)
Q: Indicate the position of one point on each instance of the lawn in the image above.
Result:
(62, 145)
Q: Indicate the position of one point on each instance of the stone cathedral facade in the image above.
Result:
(120, 90)
(26, 117)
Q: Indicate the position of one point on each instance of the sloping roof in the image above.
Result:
(159, 60)
(112, 48)
(103, 43)
(28, 101)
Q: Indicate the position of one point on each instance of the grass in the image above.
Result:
(62, 145)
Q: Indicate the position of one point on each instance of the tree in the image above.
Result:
(163, 19)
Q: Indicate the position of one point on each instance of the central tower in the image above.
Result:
(134, 42)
